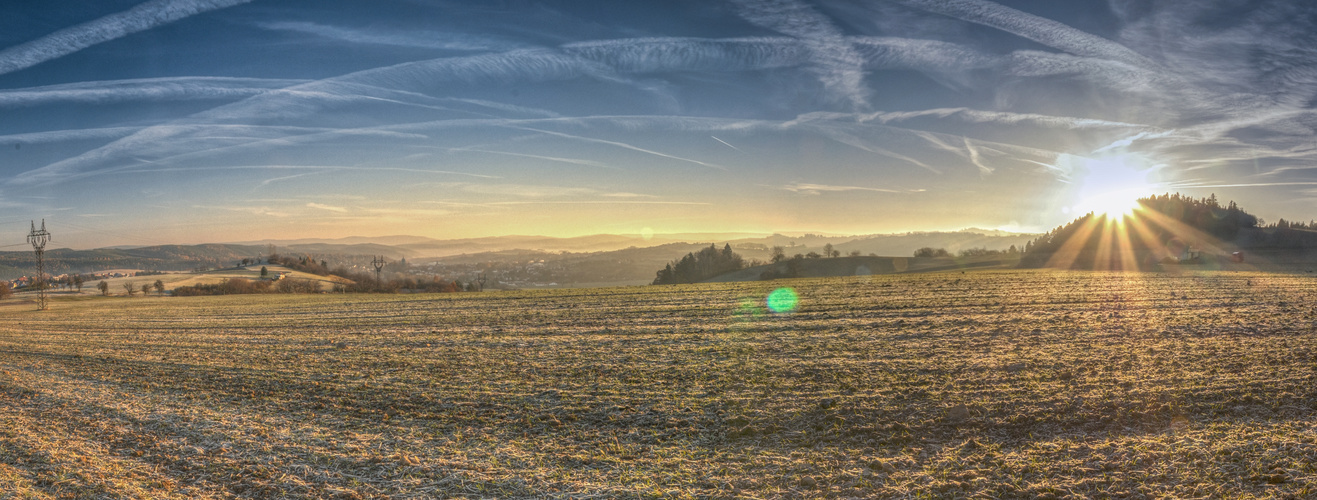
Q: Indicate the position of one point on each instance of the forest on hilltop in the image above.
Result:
(1164, 229)
(699, 266)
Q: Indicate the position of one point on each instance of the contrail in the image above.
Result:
(726, 144)
(69, 40)
(974, 158)
(623, 145)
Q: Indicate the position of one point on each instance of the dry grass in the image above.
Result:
(175, 280)
(989, 385)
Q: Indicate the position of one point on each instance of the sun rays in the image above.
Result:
(1139, 239)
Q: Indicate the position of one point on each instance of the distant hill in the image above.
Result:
(525, 260)
(400, 239)
(388, 251)
(422, 248)
(863, 266)
(158, 258)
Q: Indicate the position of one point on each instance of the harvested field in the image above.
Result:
(986, 384)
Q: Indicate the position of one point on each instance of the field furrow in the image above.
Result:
(1032, 384)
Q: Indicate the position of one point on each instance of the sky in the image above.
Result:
(195, 121)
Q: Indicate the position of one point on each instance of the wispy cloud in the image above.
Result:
(273, 180)
(816, 189)
(55, 136)
(572, 161)
(409, 85)
(148, 89)
(261, 211)
(999, 118)
(330, 208)
(1038, 29)
(139, 18)
(401, 38)
(845, 137)
(975, 158)
(660, 54)
(527, 191)
(1225, 100)
(599, 202)
(628, 195)
(624, 145)
(838, 65)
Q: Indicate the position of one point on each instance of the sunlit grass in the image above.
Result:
(998, 384)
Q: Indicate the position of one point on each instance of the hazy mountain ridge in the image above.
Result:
(157, 258)
(584, 259)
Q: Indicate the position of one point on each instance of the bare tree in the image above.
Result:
(159, 286)
(103, 287)
(779, 254)
(130, 288)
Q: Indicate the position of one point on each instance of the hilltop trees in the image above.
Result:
(930, 252)
(699, 266)
(1164, 219)
(304, 263)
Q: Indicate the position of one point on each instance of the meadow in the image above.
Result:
(990, 384)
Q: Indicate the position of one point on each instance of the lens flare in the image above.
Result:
(783, 300)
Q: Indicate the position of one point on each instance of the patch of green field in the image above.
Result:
(1036, 384)
(175, 280)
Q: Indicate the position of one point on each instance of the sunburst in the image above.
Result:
(1111, 186)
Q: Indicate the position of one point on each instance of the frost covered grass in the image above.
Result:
(1037, 384)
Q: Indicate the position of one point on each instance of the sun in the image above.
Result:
(1111, 187)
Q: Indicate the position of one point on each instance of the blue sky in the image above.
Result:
(190, 121)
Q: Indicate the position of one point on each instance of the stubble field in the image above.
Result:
(989, 385)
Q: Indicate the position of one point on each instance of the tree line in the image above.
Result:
(1228, 223)
(933, 253)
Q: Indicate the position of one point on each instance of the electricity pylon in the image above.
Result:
(38, 239)
(378, 262)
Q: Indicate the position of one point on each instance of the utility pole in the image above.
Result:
(378, 262)
(38, 239)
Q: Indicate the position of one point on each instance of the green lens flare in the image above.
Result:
(782, 300)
